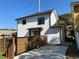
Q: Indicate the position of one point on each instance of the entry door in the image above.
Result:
(36, 32)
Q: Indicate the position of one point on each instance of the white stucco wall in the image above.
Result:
(32, 22)
(53, 35)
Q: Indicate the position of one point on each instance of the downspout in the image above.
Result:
(61, 34)
(49, 20)
(29, 38)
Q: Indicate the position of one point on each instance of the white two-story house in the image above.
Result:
(45, 24)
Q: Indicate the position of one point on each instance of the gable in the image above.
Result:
(54, 18)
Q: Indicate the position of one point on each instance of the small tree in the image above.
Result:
(66, 20)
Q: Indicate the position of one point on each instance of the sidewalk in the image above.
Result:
(47, 52)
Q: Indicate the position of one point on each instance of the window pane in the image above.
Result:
(41, 20)
(24, 21)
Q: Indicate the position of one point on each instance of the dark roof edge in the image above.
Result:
(35, 14)
(57, 26)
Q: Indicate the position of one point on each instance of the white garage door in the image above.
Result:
(54, 36)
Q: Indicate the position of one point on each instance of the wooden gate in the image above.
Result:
(9, 49)
(9, 42)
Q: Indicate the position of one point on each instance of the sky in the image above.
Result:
(13, 9)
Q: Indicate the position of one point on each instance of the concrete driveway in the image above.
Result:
(47, 52)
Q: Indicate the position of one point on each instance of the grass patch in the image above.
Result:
(1, 55)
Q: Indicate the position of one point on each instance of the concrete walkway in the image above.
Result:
(47, 52)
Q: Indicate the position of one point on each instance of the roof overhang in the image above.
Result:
(36, 28)
(57, 26)
(36, 14)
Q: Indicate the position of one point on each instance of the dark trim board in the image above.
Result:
(57, 26)
(22, 37)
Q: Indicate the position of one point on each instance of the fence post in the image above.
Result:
(5, 49)
(13, 37)
(3, 37)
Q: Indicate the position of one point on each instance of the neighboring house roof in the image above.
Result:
(35, 14)
(7, 31)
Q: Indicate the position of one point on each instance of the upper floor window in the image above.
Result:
(24, 21)
(41, 20)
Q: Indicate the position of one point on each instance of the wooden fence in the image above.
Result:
(1, 44)
(13, 45)
(22, 45)
(25, 44)
(7, 44)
